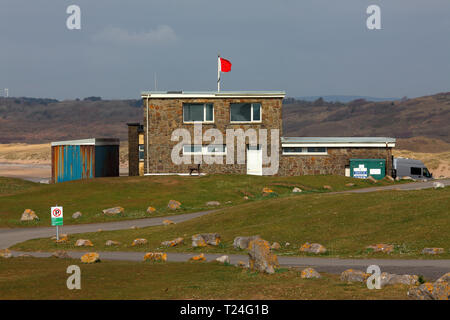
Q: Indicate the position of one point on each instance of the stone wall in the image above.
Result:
(133, 149)
(166, 115)
(333, 163)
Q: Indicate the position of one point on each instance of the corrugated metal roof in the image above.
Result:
(88, 142)
(212, 94)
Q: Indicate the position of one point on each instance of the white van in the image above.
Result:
(415, 169)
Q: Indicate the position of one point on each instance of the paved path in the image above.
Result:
(429, 268)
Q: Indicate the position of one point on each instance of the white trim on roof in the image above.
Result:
(338, 142)
(87, 142)
(212, 94)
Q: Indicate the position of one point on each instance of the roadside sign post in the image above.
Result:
(57, 218)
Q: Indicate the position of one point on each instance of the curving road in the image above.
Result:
(431, 269)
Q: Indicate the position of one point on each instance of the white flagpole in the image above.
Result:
(218, 73)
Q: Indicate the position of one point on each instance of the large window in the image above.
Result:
(416, 171)
(198, 112)
(245, 112)
(213, 149)
(305, 151)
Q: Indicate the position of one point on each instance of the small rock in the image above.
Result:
(212, 239)
(397, 178)
(198, 241)
(155, 257)
(309, 273)
(296, 190)
(275, 246)
(243, 242)
(29, 215)
(99, 230)
(167, 222)
(134, 227)
(5, 253)
(392, 279)
(174, 205)
(242, 264)
(25, 255)
(91, 257)
(287, 244)
(381, 247)
(437, 185)
(110, 243)
(213, 203)
(260, 257)
(150, 210)
(267, 190)
(77, 215)
(62, 239)
(327, 187)
(113, 211)
(228, 202)
(372, 179)
(61, 254)
(137, 242)
(350, 185)
(351, 275)
(61, 235)
(408, 178)
(83, 243)
(172, 243)
(313, 248)
(245, 198)
(223, 259)
(433, 250)
(389, 178)
(200, 257)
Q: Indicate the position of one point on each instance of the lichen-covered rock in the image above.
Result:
(172, 243)
(5, 253)
(213, 203)
(389, 178)
(296, 190)
(174, 205)
(200, 257)
(261, 257)
(313, 248)
(61, 235)
(372, 179)
(327, 187)
(392, 279)
(243, 242)
(168, 222)
(350, 185)
(267, 190)
(155, 257)
(62, 239)
(352, 275)
(201, 240)
(309, 273)
(110, 243)
(242, 264)
(83, 243)
(61, 254)
(381, 247)
(223, 259)
(407, 178)
(150, 210)
(29, 215)
(113, 211)
(439, 290)
(433, 250)
(138, 242)
(91, 257)
(77, 215)
(275, 246)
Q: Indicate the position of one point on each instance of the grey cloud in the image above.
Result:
(161, 35)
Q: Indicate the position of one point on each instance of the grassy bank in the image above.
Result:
(135, 194)
(344, 223)
(128, 280)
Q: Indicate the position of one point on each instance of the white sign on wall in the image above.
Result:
(360, 172)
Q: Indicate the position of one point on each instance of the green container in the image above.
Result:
(363, 168)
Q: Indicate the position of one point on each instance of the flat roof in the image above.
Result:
(338, 141)
(88, 142)
(212, 94)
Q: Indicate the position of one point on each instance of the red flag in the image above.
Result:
(225, 65)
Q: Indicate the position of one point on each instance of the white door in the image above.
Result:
(254, 161)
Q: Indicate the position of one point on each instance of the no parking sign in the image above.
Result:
(57, 216)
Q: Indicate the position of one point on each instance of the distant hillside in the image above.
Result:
(345, 99)
(421, 124)
(427, 117)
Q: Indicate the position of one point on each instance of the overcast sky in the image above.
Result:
(305, 47)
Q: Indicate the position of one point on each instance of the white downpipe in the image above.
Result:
(148, 162)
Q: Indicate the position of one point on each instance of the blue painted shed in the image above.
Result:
(84, 159)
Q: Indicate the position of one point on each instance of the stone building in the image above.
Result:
(153, 144)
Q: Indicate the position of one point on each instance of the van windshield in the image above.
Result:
(426, 173)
